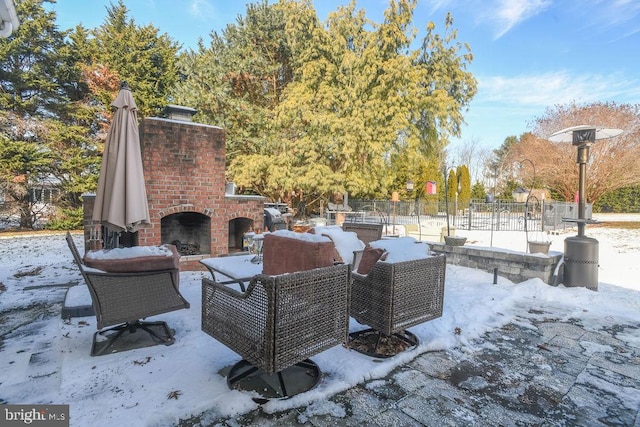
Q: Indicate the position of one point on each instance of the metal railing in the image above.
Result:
(477, 215)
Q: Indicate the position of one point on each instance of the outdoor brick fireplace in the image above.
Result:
(184, 168)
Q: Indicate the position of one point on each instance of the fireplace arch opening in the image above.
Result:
(189, 231)
(237, 228)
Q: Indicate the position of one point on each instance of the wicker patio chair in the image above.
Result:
(395, 296)
(367, 232)
(277, 325)
(120, 300)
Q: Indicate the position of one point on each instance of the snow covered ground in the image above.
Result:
(45, 359)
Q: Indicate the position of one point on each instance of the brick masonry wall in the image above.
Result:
(515, 266)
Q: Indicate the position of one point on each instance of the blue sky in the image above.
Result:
(528, 54)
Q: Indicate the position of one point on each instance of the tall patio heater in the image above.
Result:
(581, 252)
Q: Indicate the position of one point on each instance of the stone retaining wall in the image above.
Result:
(515, 266)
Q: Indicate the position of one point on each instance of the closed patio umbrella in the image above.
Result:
(121, 197)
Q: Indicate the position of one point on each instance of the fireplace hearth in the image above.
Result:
(190, 232)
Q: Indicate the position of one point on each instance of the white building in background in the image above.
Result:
(9, 19)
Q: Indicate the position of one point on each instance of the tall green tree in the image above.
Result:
(32, 101)
(74, 139)
(355, 112)
(464, 178)
(317, 109)
(24, 166)
(30, 60)
(333, 138)
(237, 81)
(49, 120)
(448, 86)
(93, 63)
(137, 54)
(478, 191)
(500, 166)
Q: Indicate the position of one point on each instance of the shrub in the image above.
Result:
(66, 219)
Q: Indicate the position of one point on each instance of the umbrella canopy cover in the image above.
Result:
(121, 197)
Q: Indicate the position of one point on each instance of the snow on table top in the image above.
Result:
(234, 266)
(133, 252)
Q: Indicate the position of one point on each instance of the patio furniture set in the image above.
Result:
(293, 305)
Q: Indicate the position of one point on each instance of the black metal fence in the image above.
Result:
(477, 215)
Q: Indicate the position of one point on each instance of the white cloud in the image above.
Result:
(620, 16)
(202, 9)
(506, 14)
(440, 4)
(501, 15)
(614, 13)
(552, 88)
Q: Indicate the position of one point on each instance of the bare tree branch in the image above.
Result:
(613, 163)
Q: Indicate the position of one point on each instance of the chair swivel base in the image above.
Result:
(293, 380)
(375, 344)
(131, 335)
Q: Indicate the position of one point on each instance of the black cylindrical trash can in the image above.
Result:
(581, 262)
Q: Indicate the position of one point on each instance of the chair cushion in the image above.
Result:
(336, 255)
(135, 259)
(369, 257)
(346, 242)
(287, 252)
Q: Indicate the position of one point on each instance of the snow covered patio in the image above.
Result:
(507, 354)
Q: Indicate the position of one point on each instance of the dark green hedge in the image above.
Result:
(625, 200)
